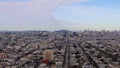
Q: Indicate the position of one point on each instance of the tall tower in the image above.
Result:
(48, 55)
(3, 56)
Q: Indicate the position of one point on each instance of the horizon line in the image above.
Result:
(57, 30)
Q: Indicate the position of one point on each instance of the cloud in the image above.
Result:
(90, 17)
(34, 14)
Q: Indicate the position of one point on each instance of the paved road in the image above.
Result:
(67, 57)
(89, 57)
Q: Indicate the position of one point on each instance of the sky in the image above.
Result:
(59, 14)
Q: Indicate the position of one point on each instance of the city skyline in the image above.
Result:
(57, 15)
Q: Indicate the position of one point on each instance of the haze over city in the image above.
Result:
(59, 14)
(59, 34)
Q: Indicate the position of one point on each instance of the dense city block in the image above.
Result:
(60, 49)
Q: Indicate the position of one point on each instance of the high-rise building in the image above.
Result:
(48, 55)
(3, 56)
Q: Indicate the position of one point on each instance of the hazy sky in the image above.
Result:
(59, 14)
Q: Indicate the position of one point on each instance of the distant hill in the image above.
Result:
(63, 31)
